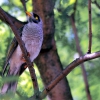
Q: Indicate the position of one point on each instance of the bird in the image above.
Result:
(32, 36)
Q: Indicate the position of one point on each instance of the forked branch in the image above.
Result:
(66, 71)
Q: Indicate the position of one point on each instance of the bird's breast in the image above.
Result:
(32, 35)
(33, 45)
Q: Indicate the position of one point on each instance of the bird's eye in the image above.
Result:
(36, 17)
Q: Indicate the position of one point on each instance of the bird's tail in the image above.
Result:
(12, 86)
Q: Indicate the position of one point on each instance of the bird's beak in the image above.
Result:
(29, 14)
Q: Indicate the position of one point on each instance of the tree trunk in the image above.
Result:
(48, 61)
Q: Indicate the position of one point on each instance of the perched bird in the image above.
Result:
(32, 36)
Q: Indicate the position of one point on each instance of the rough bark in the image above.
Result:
(48, 61)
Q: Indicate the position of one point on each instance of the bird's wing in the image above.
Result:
(11, 49)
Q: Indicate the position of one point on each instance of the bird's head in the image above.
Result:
(33, 18)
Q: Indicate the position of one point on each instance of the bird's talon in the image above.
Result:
(25, 66)
(23, 59)
(28, 54)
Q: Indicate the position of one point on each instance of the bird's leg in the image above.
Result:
(23, 59)
(25, 66)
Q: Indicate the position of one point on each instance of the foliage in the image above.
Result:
(65, 44)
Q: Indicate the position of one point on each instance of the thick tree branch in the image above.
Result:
(21, 44)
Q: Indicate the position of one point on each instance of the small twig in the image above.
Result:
(21, 44)
(90, 27)
(74, 8)
(24, 4)
(95, 2)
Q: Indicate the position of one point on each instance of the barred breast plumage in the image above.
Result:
(32, 36)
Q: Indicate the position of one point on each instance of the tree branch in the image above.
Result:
(81, 53)
(24, 51)
(72, 18)
(66, 71)
(18, 24)
(90, 27)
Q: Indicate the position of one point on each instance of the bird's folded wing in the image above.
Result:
(11, 49)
